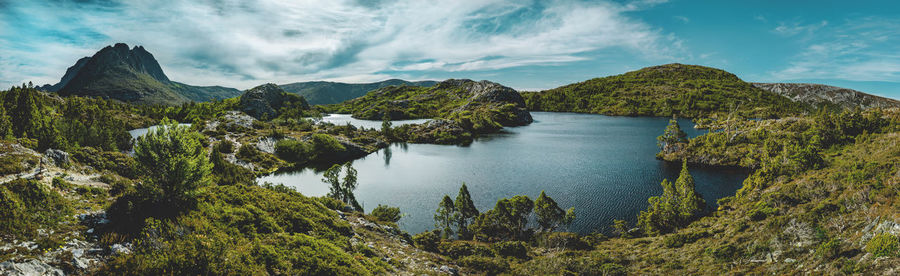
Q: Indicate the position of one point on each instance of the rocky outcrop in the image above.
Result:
(495, 96)
(818, 94)
(30, 267)
(264, 101)
(58, 157)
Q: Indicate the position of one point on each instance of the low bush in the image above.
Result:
(516, 249)
(26, 205)
(458, 249)
(884, 245)
(386, 213)
(562, 240)
(427, 240)
(487, 265)
(680, 239)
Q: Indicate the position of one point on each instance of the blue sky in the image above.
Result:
(525, 45)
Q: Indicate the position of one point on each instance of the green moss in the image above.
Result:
(884, 245)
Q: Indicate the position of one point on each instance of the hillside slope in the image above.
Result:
(683, 90)
(818, 95)
(325, 92)
(130, 75)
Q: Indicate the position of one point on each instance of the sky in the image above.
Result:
(527, 45)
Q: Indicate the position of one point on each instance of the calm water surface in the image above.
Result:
(342, 119)
(603, 166)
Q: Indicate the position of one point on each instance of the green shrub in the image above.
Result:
(457, 249)
(427, 240)
(117, 162)
(761, 211)
(884, 245)
(26, 205)
(12, 214)
(11, 164)
(62, 184)
(332, 203)
(247, 230)
(89, 191)
(516, 249)
(562, 240)
(293, 150)
(723, 253)
(487, 265)
(225, 146)
(250, 153)
(680, 239)
(386, 213)
(829, 249)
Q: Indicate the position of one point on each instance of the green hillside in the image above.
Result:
(683, 90)
(325, 92)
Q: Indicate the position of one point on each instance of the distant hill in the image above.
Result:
(323, 92)
(825, 95)
(679, 89)
(131, 75)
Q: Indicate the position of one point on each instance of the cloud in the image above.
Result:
(795, 28)
(244, 43)
(682, 19)
(860, 49)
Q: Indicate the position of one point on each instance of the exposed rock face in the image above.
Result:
(59, 158)
(262, 101)
(817, 94)
(31, 267)
(491, 93)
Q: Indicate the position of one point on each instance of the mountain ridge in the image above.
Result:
(131, 75)
(820, 94)
(326, 92)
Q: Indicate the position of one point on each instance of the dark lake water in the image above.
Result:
(603, 166)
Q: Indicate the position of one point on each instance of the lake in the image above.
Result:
(342, 119)
(603, 166)
(138, 132)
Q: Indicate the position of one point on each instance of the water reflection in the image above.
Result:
(603, 166)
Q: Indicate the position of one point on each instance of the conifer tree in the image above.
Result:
(466, 211)
(6, 131)
(444, 216)
(671, 136)
(177, 164)
(549, 214)
(691, 202)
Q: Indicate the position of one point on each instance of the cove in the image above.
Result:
(603, 166)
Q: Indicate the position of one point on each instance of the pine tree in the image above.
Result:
(466, 211)
(444, 216)
(671, 136)
(661, 216)
(6, 131)
(549, 214)
(691, 201)
(177, 164)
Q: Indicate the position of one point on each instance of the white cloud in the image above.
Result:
(244, 43)
(796, 28)
(861, 49)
